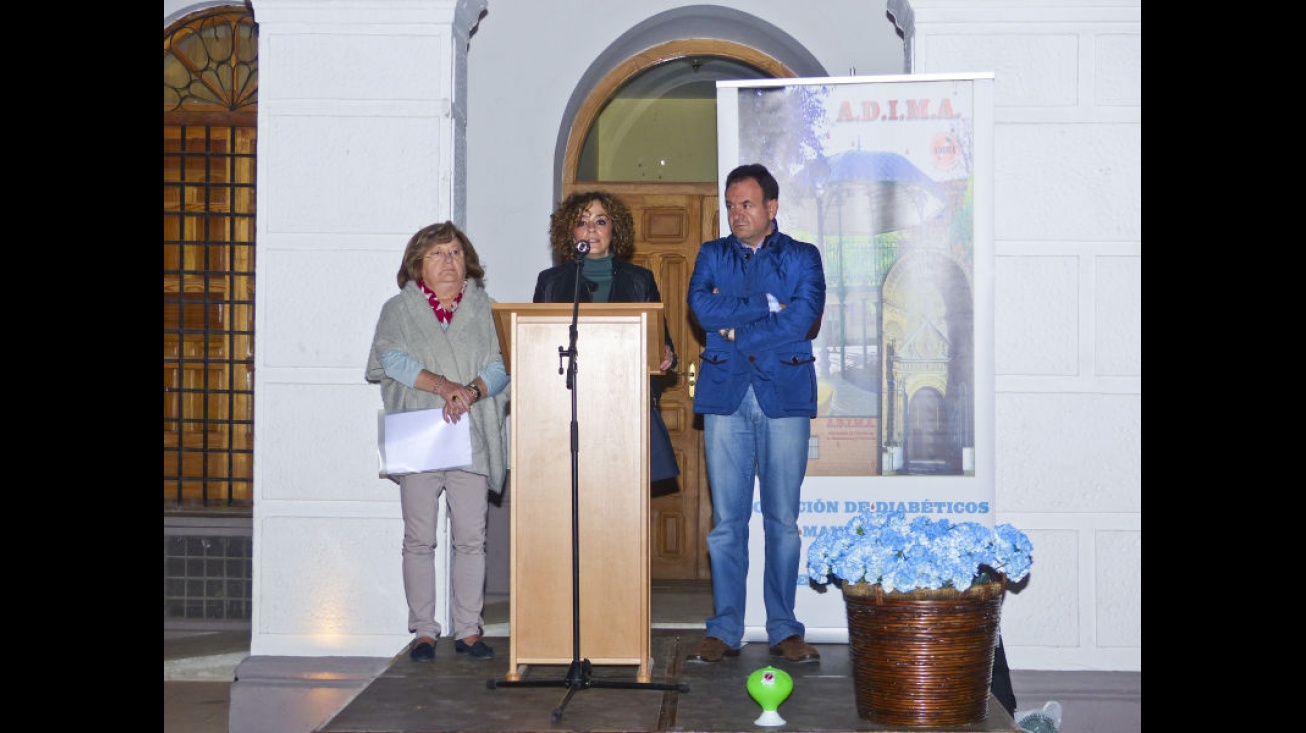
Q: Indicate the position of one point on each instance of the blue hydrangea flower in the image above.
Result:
(923, 553)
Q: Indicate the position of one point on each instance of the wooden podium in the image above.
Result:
(618, 346)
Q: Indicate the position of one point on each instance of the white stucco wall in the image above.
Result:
(1068, 309)
(361, 132)
(360, 143)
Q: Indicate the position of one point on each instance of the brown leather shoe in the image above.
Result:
(795, 649)
(711, 649)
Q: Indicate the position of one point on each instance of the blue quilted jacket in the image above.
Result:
(771, 351)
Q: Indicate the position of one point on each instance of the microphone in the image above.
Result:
(582, 249)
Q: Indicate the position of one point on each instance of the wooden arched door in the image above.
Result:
(672, 219)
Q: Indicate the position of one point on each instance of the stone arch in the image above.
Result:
(672, 34)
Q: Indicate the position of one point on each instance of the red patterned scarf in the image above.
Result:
(441, 313)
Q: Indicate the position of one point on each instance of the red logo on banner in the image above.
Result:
(944, 149)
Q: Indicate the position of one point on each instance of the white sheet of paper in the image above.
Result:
(420, 440)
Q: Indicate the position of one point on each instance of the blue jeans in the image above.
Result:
(739, 447)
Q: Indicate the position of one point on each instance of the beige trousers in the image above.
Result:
(419, 496)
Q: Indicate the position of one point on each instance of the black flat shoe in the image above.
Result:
(479, 650)
(423, 650)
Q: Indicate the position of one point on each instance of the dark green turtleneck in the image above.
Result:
(599, 271)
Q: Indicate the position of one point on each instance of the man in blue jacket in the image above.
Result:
(759, 296)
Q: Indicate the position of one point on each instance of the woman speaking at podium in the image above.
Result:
(598, 226)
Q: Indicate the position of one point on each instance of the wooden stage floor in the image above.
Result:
(454, 694)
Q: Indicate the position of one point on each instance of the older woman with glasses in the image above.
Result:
(436, 346)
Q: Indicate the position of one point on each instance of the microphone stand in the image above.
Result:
(578, 672)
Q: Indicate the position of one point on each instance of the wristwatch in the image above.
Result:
(476, 391)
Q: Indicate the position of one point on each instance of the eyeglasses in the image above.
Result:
(437, 254)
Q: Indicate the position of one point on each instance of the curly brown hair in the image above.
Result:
(429, 236)
(562, 224)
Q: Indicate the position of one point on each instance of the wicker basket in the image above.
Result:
(923, 658)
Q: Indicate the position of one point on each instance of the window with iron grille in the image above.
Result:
(210, 96)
